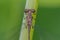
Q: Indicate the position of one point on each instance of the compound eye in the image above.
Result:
(26, 10)
(33, 11)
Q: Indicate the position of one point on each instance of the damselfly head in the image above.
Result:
(29, 10)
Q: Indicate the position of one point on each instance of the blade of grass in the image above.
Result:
(30, 4)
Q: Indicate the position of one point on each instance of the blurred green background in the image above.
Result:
(47, 25)
(11, 13)
(48, 20)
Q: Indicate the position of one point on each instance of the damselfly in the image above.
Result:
(29, 18)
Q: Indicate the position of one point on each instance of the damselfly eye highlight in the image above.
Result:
(26, 10)
(32, 10)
